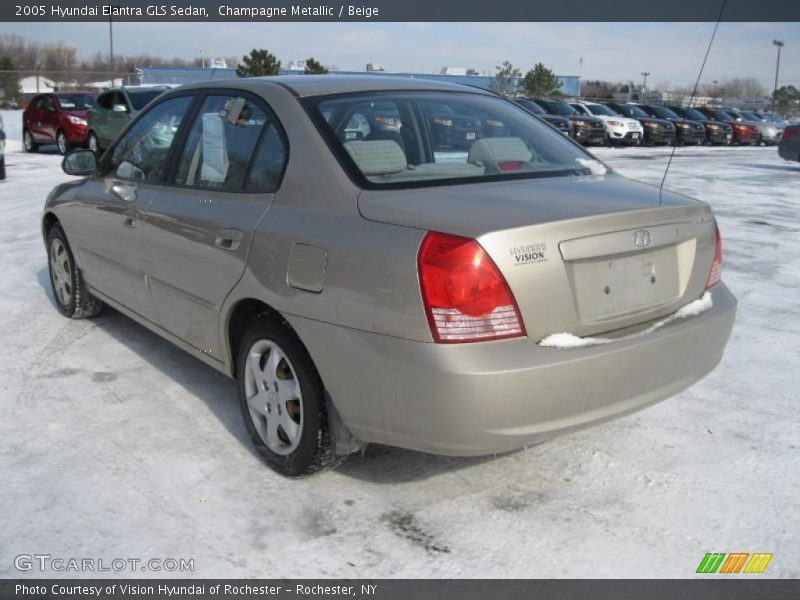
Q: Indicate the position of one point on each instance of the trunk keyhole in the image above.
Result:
(607, 290)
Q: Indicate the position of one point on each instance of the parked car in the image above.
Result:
(656, 131)
(563, 124)
(770, 117)
(769, 133)
(717, 132)
(588, 130)
(57, 118)
(620, 131)
(2, 149)
(687, 131)
(113, 109)
(789, 148)
(744, 134)
(359, 292)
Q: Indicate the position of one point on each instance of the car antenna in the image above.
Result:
(694, 93)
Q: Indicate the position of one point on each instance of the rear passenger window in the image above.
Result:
(221, 143)
(270, 160)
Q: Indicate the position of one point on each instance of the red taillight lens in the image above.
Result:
(466, 297)
(790, 132)
(715, 275)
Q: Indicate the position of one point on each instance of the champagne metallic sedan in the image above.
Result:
(364, 284)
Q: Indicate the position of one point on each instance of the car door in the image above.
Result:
(37, 117)
(117, 117)
(197, 232)
(108, 220)
(98, 114)
(49, 118)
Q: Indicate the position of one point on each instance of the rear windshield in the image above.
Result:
(531, 106)
(71, 102)
(141, 99)
(409, 139)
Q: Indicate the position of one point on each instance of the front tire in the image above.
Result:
(93, 143)
(2, 168)
(28, 143)
(62, 142)
(282, 399)
(73, 299)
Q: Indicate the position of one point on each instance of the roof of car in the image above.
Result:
(318, 85)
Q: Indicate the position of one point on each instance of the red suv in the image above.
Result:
(58, 118)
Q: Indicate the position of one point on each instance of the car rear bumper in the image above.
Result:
(475, 399)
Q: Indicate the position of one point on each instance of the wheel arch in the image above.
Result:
(48, 221)
(240, 315)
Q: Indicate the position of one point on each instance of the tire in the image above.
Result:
(286, 414)
(2, 168)
(28, 143)
(62, 142)
(73, 299)
(93, 144)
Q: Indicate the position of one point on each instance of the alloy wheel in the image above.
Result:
(274, 399)
(61, 270)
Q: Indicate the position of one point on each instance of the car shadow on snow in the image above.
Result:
(376, 463)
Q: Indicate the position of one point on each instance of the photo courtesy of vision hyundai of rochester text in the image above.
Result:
(404, 262)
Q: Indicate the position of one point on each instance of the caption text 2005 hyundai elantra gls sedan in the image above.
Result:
(313, 237)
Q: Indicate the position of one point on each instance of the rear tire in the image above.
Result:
(28, 143)
(282, 399)
(73, 299)
(2, 168)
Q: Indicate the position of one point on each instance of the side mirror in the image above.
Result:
(119, 108)
(80, 162)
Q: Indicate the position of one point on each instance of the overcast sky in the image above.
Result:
(671, 52)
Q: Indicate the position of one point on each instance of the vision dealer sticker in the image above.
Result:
(529, 253)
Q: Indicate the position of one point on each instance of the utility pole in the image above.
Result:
(643, 100)
(779, 44)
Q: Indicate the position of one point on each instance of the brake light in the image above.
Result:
(466, 297)
(715, 274)
(790, 132)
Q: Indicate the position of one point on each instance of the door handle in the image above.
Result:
(125, 191)
(228, 239)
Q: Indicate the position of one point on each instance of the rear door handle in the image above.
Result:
(228, 239)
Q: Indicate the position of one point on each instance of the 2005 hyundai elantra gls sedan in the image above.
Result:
(364, 285)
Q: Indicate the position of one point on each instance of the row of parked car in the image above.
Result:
(614, 123)
(80, 119)
(77, 119)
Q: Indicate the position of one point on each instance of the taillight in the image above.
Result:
(466, 297)
(790, 132)
(715, 274)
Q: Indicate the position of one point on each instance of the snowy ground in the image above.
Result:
(113, 443)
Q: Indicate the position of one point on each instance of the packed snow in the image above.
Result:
(114, 443)
(569, 340)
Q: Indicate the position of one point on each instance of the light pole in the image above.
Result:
(644, 87)
(714, 99)
(779, 44)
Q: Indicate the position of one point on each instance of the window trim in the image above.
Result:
(348, 165)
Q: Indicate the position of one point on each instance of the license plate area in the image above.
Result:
(613, 287)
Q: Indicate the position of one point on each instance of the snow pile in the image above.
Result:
(595, 166)
(568, 340)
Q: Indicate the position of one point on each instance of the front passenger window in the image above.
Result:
(221, 143)
(143, 151)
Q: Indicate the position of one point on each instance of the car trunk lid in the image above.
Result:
(582, 255)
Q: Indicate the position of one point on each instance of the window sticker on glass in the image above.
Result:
(215, 151)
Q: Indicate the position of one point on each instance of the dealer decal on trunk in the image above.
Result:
(529, 253)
